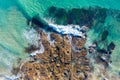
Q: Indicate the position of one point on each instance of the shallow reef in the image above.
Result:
(79, 16)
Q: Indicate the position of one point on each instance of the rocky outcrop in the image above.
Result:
(59, 60)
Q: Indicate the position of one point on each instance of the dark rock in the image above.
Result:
(31, 48)
(60, 14)
(110, 52)
(38, 21)
(52, 10)
(102, 51)
(111, 46)
(110, 61)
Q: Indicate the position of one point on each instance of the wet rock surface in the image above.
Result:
(59, 61)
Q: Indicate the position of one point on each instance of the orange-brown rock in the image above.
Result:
(59, 61)
(78, 42)
(34, 71)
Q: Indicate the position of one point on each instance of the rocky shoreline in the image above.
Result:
(63, 56)
(59, 61)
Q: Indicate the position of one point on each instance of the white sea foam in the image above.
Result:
(67, 29)
(74, 30)
(6, 77)
(31, 36)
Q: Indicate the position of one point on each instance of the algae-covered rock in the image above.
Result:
(78, 16)
(111, 46)
(52, 10)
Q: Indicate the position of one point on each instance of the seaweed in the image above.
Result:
(79, 16)
(52, 10)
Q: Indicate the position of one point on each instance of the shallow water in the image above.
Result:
(39, 6)
(12, 42)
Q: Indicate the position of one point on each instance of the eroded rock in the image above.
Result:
(58, 61)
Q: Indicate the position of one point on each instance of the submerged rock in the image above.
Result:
(111, 46)
(78, 16)
(52, 10)
(36, 20)
(102, 51)
(104, 35)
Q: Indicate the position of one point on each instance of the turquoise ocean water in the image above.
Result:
(12, 42)
(13, 25)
